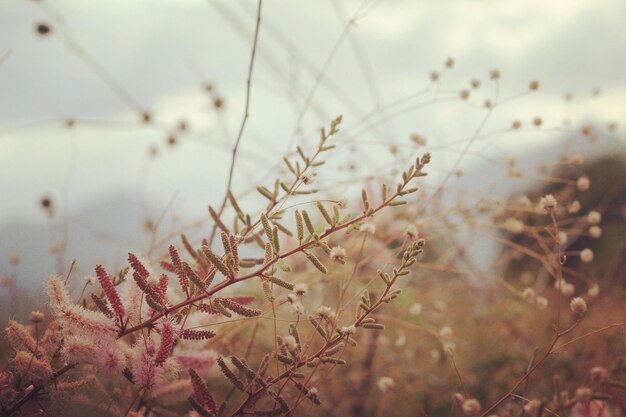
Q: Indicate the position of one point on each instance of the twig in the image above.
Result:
(246, 114)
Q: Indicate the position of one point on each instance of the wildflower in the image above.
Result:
(494, 74)
(593, 290)
(574, 207)
(529, 295)
(541, 302)
(532, 406)
(537, 121)
(583, 183)
(347, 331)
(385, 383)
(547, 203)
(586, 255)
(90, 280)
(458, 397)
(415, 309)
(594, 217)
(534, 85)
(464, 94)
(566, 288)
(297, 309)
(325, 312)
(300, 289)
(514, 226)
(368, 228)
(290, 342)
(578, 306)
(516, 124)
(595, 232)
(471, 406)
(338, 254)
(475, 83)
(292, 298)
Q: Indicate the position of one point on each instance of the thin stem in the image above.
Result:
(246, 115)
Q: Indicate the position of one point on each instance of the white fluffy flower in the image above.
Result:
(368, 228)
(385, 383)
(547, 203)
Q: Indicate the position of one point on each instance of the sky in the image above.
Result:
(106, 62)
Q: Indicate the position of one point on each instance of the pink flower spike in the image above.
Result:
(109, 289)
(167, 342)
(139, 268)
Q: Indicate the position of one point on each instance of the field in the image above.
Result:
(281, 209)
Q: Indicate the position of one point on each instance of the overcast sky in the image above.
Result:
(160, 53)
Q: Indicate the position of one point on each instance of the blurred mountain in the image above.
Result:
(103, 231)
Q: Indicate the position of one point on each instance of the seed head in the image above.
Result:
(385, 383)
(583, 183)
(586, 255)
(471, 406)
(594, 217)
(547, 203)
(578, 306)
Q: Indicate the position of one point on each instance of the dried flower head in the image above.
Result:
(494, 74)
(347, 331)
(385, 383)
(547, 203)
(338, 254)
(593, 290)
(573, 207)
(537, 121)
(594, 217)
(297, 309)
(368, 228)
(578, 306)
(532, 407)
(471, 406)
(290, 342)
(541, 302)
(415, 309)
(534, 85)
(514, 226)
(300, 289)
(325, 312)
(586, 255)
(583, 183)
(595, 232)
(529, 295)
